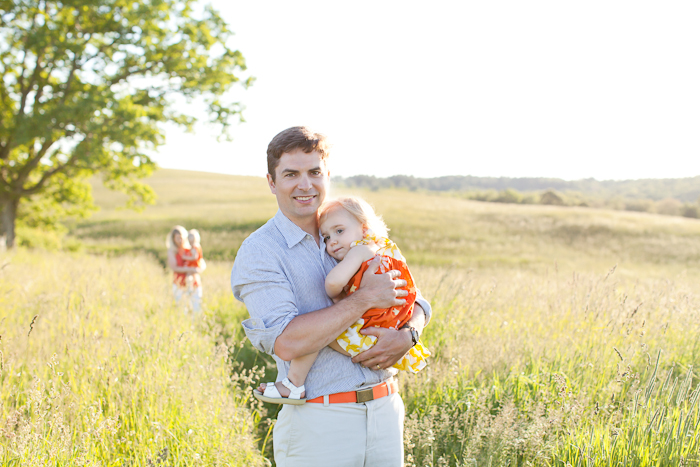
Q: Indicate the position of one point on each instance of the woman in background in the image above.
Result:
(178, 244)
(194, 258)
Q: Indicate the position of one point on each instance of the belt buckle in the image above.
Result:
(364, 395)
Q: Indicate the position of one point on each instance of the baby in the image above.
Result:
(354, 235)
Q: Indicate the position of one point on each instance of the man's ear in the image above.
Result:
(271, 182)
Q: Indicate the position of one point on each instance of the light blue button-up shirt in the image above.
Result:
(280, 273)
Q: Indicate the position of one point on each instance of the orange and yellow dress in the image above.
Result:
(392, 318)
(180, 278)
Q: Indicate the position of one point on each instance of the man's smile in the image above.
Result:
(304, 199)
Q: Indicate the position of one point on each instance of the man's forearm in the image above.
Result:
(312, 331)
(417, 319)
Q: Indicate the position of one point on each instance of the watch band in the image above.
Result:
(414, 335)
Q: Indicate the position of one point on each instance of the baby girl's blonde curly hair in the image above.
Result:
(360, 210)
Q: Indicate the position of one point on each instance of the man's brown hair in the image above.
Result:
(296, 137)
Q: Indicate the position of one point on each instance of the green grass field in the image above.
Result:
(561, 336)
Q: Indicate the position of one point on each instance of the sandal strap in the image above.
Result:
(271, 390)
(294, 391)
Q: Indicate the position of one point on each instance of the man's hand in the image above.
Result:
(382, 290)
(390, 347)
(391, 344)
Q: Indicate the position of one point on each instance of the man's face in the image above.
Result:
(300, 185)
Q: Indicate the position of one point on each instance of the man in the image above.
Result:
(353, 415)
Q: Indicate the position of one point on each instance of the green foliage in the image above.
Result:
(86, 86)
(48, 240)
(509, 196)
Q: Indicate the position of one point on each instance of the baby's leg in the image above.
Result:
(335, 346)
(298, 370)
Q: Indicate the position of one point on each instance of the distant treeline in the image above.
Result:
(672, 196)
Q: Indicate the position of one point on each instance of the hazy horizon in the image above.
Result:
(333, 175)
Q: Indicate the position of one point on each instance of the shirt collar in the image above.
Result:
(291, 232)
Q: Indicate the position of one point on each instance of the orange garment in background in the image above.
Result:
(180, 278)
(197, 262)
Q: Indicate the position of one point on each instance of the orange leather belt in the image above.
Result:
(363, 395)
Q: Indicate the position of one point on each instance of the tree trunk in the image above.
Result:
(9, 215)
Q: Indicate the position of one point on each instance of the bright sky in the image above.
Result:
(603, 89)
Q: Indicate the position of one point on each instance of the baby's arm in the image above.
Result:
(343, 272)
(192, 256)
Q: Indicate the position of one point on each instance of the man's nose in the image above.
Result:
(304, 183)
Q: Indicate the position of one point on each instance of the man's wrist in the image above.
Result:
(414, 334)
(360, 299)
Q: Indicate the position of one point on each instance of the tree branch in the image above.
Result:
(5, 152)
(3, 180)
(46, 176)
(5, 149)
(69, 80)
(123, 76)
(37, 69)
(32, 163)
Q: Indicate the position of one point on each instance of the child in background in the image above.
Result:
(194, 258)
(354, 235)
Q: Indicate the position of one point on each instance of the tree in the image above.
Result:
(551, 197)
(87, 86)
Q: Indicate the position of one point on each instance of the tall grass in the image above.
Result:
(97, 367)
(556, 370)
(560, 336)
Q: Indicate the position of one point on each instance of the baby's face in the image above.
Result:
(340, 229)
(190, 238)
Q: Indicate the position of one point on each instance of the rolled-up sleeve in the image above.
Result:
(258, 281)
(425, 305)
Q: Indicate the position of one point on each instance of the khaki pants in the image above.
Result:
(341, 435)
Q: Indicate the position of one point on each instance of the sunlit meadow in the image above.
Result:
(561, 336)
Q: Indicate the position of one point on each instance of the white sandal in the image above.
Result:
(273, 396)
